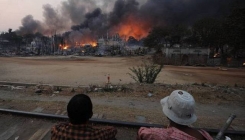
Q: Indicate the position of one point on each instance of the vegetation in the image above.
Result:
(214, 33)
(145, 73)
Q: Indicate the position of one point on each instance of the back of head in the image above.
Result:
(179, 107)
(79, 109)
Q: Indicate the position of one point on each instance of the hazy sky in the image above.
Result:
(12, 11)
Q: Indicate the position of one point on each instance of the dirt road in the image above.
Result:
(75, 71)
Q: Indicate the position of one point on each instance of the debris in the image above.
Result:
(38, 91)
(5, 86)
(100, 116)
(132, 104)
(38, 109)
(17, 87)
(63, 113)
(57, 112)
(57, 88)
(140, 119)
(16, 138)
(149, 94)
(227, 138)
(56, 92)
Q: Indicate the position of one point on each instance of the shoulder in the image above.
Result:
(58, 131)
(106, 129)
(205, 134)
(59, 126)
(107, 132)
(152, 133)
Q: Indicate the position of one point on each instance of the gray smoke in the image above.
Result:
(100, 16)
(76, 9)
(55, 22)
(82, 36)
(94, 25)
(30, 26)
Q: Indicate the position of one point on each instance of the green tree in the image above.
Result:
(235, 26)
(207, 31)
(156, 38)
(145, 73)
(177, 34)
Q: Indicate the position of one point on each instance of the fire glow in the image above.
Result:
(92, 43)
(133, 27)
(65, 47)
(86, 40)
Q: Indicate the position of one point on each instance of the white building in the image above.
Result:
(185, 51)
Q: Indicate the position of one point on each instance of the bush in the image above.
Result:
(145, 73)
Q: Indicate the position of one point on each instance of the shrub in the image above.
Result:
(145, 73)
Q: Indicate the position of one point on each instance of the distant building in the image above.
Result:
(186, 55)
(4, 43)
(110, 45)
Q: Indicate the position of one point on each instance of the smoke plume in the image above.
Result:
(30, 26)
(95, 18)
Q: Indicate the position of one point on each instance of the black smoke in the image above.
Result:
(98, 16)
(30, 26)
(162, 12)
(123, 9)
(94, 21)
(76, 10)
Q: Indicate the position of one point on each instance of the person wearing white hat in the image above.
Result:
(179, 109)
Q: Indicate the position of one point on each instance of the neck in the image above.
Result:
(173, 124)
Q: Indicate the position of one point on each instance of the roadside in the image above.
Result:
(138, 103)
(218, 92)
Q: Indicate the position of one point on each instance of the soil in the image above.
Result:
(219, 92)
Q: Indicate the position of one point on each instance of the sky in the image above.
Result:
(12, 11)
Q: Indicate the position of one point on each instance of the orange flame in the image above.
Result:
(132, 26)
(65, 47)
(93, 44)
(86, 40)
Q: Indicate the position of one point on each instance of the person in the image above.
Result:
(179, 109)
(79, 110)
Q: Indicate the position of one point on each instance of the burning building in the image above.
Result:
(85, 22)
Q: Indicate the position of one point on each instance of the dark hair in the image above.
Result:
(79, 109)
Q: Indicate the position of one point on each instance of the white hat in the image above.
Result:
(179, 107)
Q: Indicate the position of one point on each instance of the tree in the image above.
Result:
(156, 38)
(235, 25)
(207, 31)
(13, 38)
(177, 33)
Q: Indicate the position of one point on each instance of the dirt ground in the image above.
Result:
(218, 92)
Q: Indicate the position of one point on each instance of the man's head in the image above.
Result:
(79, 109)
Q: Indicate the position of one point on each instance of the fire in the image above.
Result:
(93, 44)
(65, 47)
(87, 41)
(132, 26)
